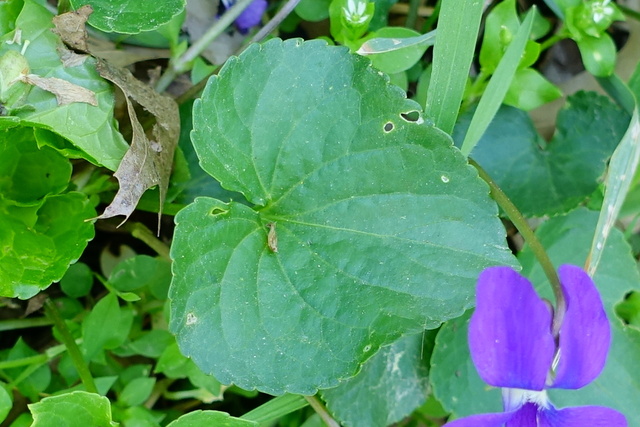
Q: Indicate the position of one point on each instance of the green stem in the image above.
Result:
(141, 232)
(181, 64)
(12, 324)
(529, 236)
(412, 15)
(317, 406)
(552, 40)
(72, 347)
(275, 21)
(629, 12)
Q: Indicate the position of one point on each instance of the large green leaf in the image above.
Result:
(567, 240)
(372, 215)
(549, 178)
(92, 129)
(130, 17)
(75, 409)
(391, 385)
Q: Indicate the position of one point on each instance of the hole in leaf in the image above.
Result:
(411, 116)
(217, 211)
(388, 127)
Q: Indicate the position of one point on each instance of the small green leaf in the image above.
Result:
(396, 49)
(153, 343)
(391, 385)
(313, 10)
(548, 178)
(77, 281)
(29, 173)
(106, 327)
(529, 90)
(137, 391)
(41, 242)
(124, 16)
(373, 211)
(6, 401)
(140, 271)
(75, 409)
(34, 379)
(210, 418)
(598, 54)
(500, 28)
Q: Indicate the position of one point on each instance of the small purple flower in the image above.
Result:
(512, 346)
(250, 17)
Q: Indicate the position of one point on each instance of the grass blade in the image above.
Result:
(458, 26)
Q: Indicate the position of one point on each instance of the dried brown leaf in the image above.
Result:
(70, 27)
(148, 162)
(65, 92)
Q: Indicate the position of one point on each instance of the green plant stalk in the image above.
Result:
(141, 232)
(618, 90)
(274, 22)
(412, 15)
(74, 352)
(12, 324)
(317, 406)
(275, 408)
(182, 63)
(529, 236)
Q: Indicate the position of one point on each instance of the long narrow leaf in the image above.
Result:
(453, 52)
(389, 44)
(622, 168)
(498, 86)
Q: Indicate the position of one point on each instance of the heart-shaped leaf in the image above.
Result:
(359, 229)
(550, 178)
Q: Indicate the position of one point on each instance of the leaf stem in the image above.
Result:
(529, 236)
(141, 232)
(30, 322)
(72, 348)
(320, 409)
(275, 21)
(412, 15)
(181, 64)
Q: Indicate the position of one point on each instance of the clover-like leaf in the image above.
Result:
(41, 231)
(372, 214)
(548, 178)
(130, 17)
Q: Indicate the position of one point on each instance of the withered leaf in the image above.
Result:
(70, 27)
(65, 92)
(148, 162)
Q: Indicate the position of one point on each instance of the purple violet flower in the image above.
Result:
(512, 347)
(250, 17)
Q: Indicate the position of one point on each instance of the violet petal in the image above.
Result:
(482, 420)
(525, 416)
(592, 416)
(510, 331)
(585, 334)
(251, 16)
